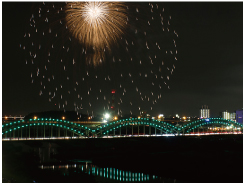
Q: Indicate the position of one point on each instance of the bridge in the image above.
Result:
(43, 128)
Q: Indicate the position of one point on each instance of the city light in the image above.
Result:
(107, 116)
(35, 117)
(63, 117)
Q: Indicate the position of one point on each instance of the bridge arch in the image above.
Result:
(43, 127)
(111, 128)
(216, 122)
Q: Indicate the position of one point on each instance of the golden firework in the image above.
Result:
(97, 25)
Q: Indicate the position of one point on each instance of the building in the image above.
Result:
(225, 115)
(239, 115)
(228, 115)
(233, 116)
(204, 112)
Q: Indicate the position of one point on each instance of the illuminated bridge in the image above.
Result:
(43, 128)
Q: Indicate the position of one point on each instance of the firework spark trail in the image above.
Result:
(97, 25)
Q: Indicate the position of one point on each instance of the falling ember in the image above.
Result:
(97, 25)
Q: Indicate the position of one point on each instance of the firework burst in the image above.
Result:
(97, 25)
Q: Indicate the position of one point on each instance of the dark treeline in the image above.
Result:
(68, 115)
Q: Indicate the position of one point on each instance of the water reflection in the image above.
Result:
(108, 173)
(46, 152)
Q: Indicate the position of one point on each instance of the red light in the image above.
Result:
(113, 91)
(112, 107)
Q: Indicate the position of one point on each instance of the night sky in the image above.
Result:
(209, 69)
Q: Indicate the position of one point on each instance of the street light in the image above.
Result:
(107, 116)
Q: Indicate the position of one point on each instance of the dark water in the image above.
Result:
(165, 159)
(78, 169)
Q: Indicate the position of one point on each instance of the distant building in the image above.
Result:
(233, 116)
(228, 115)
(204, 112)
(239, 116)
(225, 115)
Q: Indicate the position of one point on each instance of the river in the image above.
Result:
(148, 159)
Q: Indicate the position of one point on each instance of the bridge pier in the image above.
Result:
(58, 131)
(132, 130)
(25, 131)
(144, 129)
(18, 132)
(149, 130)
(44, 130)
(155, 131)
(138, 130)
(29, 129)
(34, 130)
